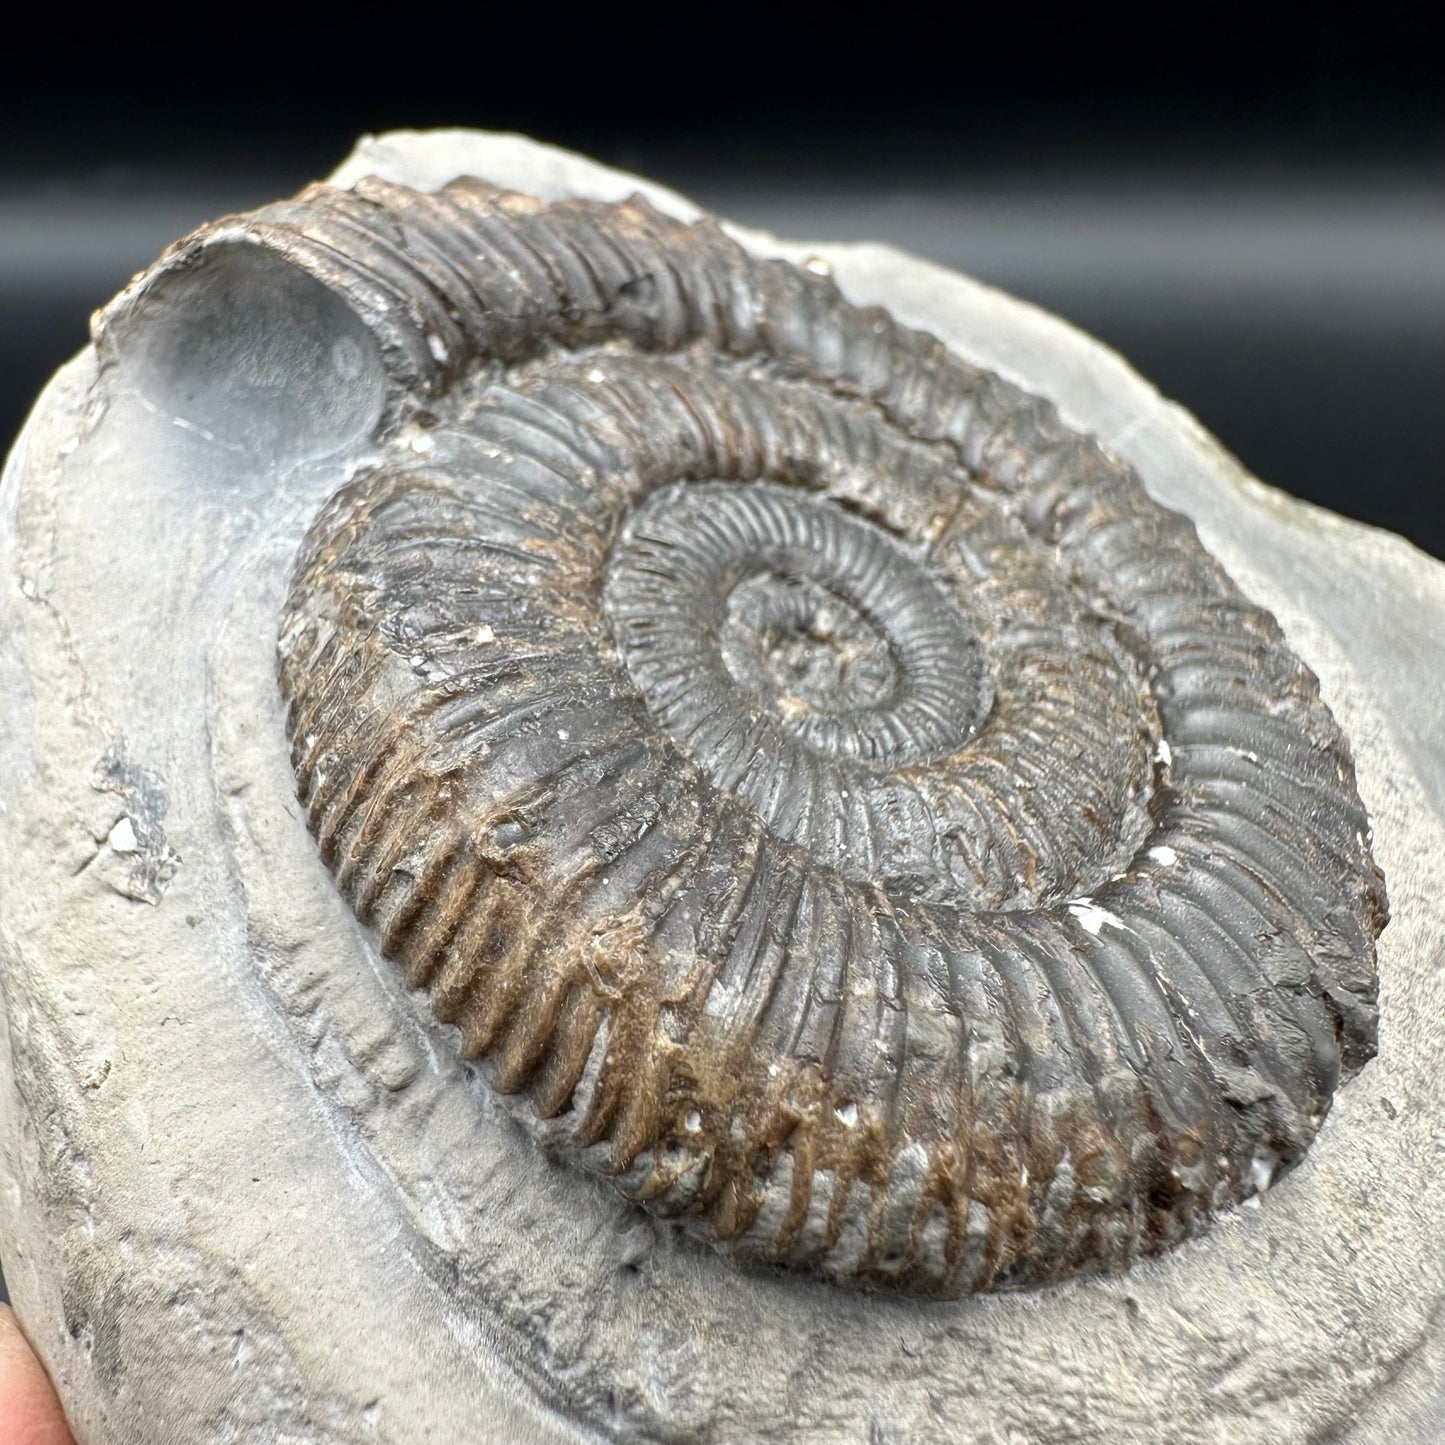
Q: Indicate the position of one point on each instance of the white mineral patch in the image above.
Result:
(1092, 917)
(1262, 1168)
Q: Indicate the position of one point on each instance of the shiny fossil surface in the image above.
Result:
(863, 823)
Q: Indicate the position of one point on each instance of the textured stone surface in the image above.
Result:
(248, 1194)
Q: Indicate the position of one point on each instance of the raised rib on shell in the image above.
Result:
(863, 822)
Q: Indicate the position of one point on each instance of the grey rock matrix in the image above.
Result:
(247, 1191)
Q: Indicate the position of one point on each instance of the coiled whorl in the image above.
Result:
(859, 819)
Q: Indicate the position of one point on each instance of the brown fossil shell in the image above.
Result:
(857, 818)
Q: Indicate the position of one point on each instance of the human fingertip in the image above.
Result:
(30, 1412)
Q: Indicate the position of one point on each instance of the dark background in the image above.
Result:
(1253, 215)
(1253, 212)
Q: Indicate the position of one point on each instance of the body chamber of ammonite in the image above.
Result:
(823, 788)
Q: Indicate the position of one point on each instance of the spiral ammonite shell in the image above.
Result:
(855, 816)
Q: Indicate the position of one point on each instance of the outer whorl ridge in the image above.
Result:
(862, 822)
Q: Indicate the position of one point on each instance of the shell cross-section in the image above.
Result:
(822, 787)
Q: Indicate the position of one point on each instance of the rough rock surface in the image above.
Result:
(248, 1194)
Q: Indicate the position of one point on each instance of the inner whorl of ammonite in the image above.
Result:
(822, 786)
(801, 656)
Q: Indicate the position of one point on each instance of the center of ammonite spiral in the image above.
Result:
(803, 658)
(801, 649)
(789, 621)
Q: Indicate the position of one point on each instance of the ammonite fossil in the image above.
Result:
(846, 810)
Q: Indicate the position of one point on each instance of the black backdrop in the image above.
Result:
(1253, 212)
